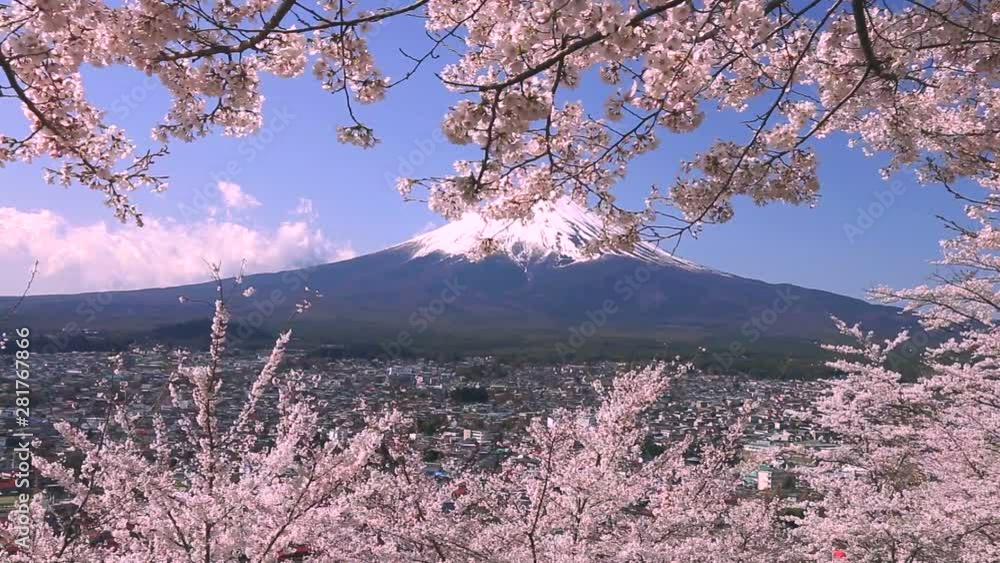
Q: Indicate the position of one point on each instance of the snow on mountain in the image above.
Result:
(558, 231)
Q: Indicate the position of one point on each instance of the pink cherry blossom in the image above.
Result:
(916, 82)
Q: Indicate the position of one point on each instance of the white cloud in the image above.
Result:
(234, 197)
(99, 256)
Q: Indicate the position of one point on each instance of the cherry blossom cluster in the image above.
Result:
(199, 488)
(915, 81)
(918, 478)
(578, 489)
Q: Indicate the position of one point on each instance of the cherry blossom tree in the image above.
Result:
(201, 488)
(577, 489)
(914, 80)
(918, 477)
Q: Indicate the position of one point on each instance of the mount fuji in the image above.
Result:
(560, 232)
(540, 291)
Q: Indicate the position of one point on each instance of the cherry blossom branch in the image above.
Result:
(27, 288)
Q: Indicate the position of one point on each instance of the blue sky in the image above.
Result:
(356, 207)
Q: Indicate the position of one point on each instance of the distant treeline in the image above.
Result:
(774, 358)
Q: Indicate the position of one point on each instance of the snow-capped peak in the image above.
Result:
(561, 230)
